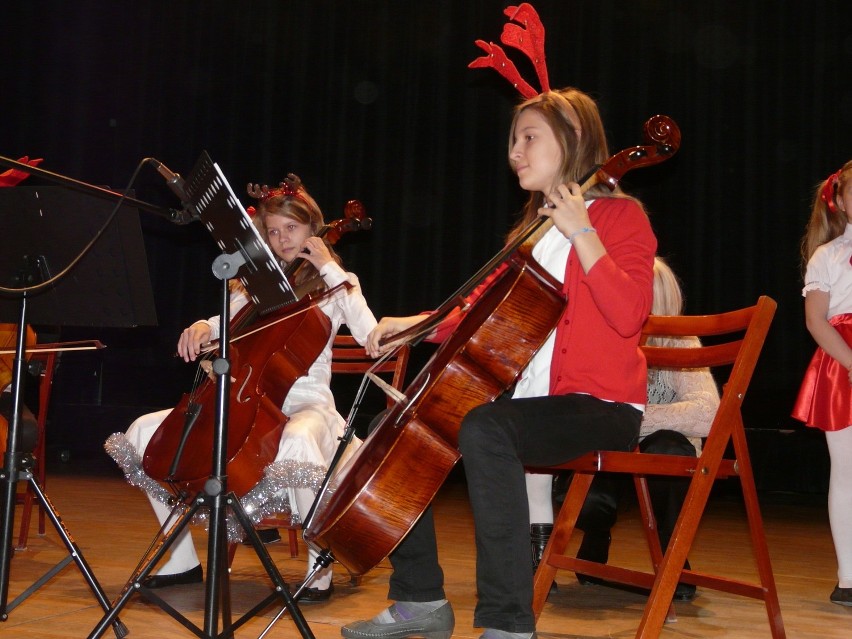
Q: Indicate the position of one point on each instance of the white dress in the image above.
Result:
(309, 439)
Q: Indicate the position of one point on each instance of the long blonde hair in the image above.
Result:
(668, 299)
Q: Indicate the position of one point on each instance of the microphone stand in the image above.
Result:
(177, 216)
(17, 465)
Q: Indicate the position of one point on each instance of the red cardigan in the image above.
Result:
(597, 338)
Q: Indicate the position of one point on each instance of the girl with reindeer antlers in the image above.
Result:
(584, 390)
(289, 219)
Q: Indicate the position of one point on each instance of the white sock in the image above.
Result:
(408, 610)
(493, 633)
(540, 497)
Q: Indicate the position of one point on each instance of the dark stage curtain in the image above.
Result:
(373, 100)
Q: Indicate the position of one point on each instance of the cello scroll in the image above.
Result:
(662, 140)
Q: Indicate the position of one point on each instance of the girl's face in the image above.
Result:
(536, 155)
(286, 236)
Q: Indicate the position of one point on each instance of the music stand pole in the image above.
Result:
(217, 587)
(13, 471)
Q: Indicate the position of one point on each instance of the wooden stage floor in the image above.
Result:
(112, 524)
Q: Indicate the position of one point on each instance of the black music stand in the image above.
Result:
(247, 256)
(45, 228)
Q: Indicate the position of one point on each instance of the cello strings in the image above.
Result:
(366, 379)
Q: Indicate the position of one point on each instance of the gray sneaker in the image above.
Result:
(437, 624)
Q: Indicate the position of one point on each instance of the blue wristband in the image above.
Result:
(585, 229)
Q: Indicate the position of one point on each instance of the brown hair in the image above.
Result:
(581, 149)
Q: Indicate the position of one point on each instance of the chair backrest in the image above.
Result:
(347, 356)
(739, 334)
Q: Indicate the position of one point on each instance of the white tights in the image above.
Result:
(539, 497)
(840, 501)
(183, 556)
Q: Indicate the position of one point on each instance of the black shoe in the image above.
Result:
(841, 596)
(686, 592)
(539, 536)
(313, 595)
(191, 576)
(267, 536)
(594, 547)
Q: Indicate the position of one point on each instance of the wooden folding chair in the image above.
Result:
(347, 357)
(737, 338)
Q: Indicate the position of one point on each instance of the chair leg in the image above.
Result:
(563, 528)
(26, 513)
(27, 498)
(652, 535)
(662, 592)
(38, 467)
(758, 535)
(293, 539)
(232, 551)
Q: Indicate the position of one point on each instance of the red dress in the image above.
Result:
(825, 398)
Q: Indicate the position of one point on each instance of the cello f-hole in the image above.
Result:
(240, 397)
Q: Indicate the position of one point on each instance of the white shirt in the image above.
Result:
(830, 270)
(551, 252)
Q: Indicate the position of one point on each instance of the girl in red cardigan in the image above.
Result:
(584, 390)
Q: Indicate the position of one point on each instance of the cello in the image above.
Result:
(371, 503)
(267, 355)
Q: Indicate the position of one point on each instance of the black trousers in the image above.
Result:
(496, 441)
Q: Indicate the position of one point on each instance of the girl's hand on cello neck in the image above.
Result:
(567, 208)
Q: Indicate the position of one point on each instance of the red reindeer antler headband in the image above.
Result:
(289, 187)
(529, 39)
(829, 191)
